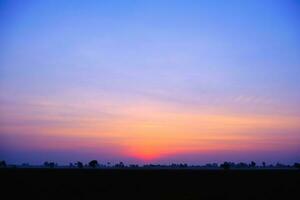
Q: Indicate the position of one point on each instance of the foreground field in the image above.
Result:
(149, 184)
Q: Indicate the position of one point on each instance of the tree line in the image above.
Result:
(95, 164)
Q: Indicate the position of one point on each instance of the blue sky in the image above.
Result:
(82, 60)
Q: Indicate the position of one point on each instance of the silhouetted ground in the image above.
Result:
(149, 184)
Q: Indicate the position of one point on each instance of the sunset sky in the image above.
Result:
(149, 81)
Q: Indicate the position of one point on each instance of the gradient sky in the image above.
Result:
(150, 81)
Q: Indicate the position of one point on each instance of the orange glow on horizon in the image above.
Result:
(150, 131)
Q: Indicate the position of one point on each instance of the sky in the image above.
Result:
(150, 81)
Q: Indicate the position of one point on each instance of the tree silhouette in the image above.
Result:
(46, 163)
(242, 165)
(252, 164)
(3, 163)
(225, 165)
(264, 164)
(120, 165)
(50, 164)
(297, 165)
(79, 164)
(93, 163)
(25, 165)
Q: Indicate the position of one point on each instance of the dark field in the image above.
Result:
(149, 184)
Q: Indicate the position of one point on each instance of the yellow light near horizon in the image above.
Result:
(150, 130)
(153, 131)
